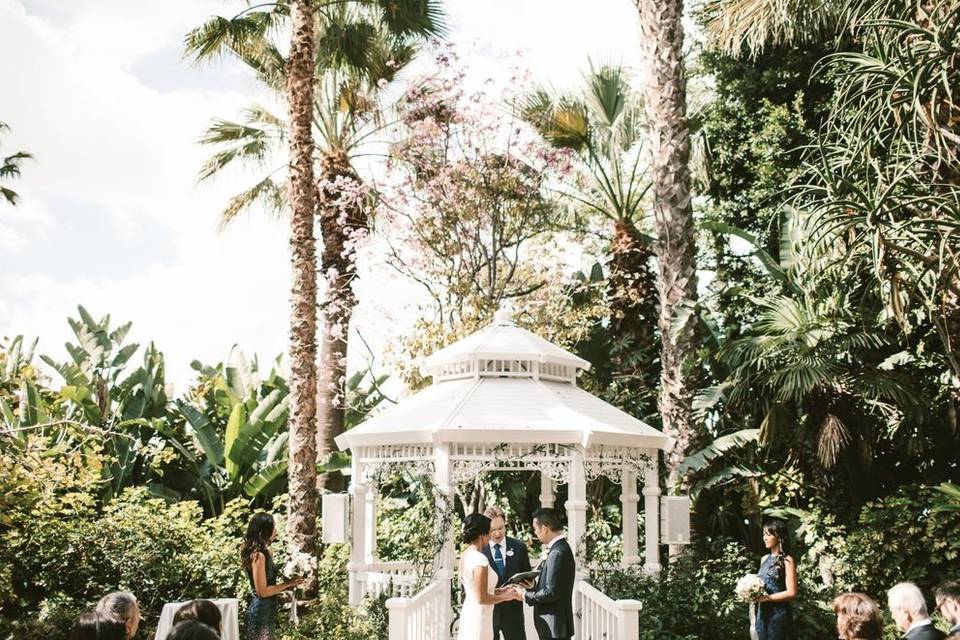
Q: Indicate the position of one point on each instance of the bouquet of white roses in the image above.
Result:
(300, 565)
(750, 588)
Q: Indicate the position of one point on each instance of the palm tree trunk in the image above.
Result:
(302, 503)
(632, 290)
(342, 214)
(669, 143)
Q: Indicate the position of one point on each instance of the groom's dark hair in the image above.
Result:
(548, 518)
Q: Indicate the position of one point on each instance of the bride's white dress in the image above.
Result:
(476, 620)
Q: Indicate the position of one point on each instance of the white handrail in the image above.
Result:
(422, 617)
(602, 618)
(392, 578)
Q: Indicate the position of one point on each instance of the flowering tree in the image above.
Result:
(467, 209)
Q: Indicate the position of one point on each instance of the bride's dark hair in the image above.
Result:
(474, 526)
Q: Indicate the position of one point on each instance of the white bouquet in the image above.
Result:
(750, 588)
(300, 565)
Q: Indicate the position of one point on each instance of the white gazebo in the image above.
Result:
(503, 398)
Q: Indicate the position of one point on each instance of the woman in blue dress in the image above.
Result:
(778, 570)
(261, 618)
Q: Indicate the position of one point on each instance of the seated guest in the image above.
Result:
(909, 611)
(204, 611)
(858, 617)
(94, 625)
(122, 606)
(192, 630)
(948, 604)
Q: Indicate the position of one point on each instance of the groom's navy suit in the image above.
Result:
(552, 597)
(508, 616)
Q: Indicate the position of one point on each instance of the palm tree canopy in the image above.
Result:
(602, 124)
(360, 46)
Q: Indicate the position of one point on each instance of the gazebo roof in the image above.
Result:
(503, 339)
(504, 384)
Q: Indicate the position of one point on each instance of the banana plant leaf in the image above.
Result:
(263, 478)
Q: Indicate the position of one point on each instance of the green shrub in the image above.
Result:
(159, 551)
(902, 537)
(693, 598)
(330, 615)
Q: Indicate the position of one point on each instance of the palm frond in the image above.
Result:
(701, 459)
(751, 25)
(423, 18)
(833, 438)
(266, 192)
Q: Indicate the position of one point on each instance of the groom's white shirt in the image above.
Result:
(552, 542)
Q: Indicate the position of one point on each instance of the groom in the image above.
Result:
(507, 556)
(552, 597)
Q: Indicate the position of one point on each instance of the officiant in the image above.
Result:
(507, 556)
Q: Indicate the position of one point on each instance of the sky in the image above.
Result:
(111, 215)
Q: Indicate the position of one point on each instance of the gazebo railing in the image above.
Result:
(424, 616)
(602, 618)
(390, 578)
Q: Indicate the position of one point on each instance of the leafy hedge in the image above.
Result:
(693, 598)
(57, 567)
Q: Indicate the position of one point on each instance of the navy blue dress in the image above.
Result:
(261, 615)
(774, 619)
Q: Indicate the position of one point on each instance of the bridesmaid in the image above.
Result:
(258, 564)
(778, 570)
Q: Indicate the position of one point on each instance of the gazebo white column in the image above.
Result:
(547, 496)
(443, 479)
(370, 518)
(576, 500)
(628, 500)
(358, 539)
(651, 515)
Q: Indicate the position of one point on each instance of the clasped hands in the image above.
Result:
(515, 590)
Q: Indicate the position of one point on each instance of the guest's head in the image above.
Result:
(906, 604)
(204, 611)
(95, 625)
(546, 524)
(776, 537)
(261, 531)
(498, 524)
(122, 606)
(476, 529)
(947, 596)
(858, 617)
(192, 630)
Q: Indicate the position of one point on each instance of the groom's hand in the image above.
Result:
(527, 584)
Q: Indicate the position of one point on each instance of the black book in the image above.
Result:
(526, 576)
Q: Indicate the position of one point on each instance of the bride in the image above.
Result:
(479, 582)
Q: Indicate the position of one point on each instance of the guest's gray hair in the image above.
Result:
(907, 597)
(119, 604)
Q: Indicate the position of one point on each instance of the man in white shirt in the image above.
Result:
(909, 611)
(507, 556)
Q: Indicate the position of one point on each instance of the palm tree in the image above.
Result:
(302, 516)
(10, 168)
(664, 97)
(359, 48)
(602, 125)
